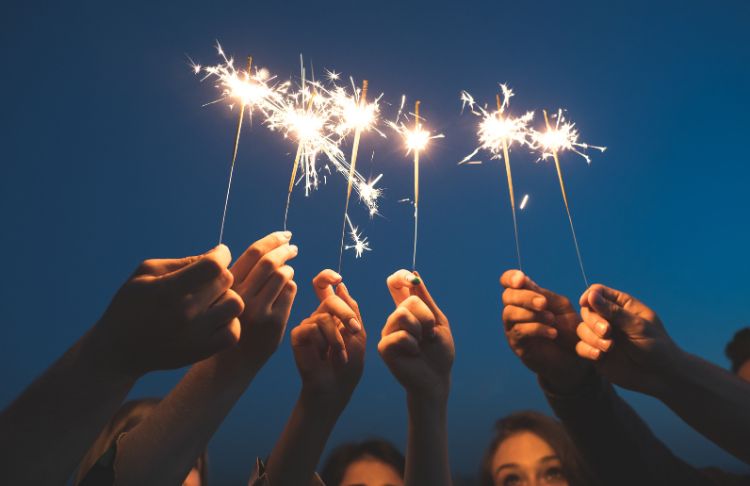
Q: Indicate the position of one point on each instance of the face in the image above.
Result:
(525, 459)
(371, 472)
(744, 371)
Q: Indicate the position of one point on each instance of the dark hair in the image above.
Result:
(738, 349)
(129, 415)
(344, 455)
(549, 430)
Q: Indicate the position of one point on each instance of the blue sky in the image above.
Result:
(108, 158)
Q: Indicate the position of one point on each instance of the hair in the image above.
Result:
(549, 430)
(129, 415)
(738, 349)
(344, 455)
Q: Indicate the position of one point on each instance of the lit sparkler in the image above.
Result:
(416, 140)
(251, 91)
(564, 136)
(497, 132)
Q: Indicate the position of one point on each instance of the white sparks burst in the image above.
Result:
(497, 126)
(359, 243)
(414, 136)
(560, 137)
(351, 114)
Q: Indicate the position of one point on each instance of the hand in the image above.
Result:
(540, 327)
(265, 282)
(416, 341)
(625, 339)
(329, 346)
(170, 313)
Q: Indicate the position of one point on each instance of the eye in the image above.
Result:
(512, 480)
(554, 475)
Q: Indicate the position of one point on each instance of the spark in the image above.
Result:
(359, 243)
(563, 136)
(524, 201)
(352, 112)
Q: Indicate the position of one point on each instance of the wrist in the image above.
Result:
(572, 380)
(323, 404)
(676, 368)
(435, 398)
(97, 353)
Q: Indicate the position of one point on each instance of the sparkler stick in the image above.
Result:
(416, 187)
(234, 156)
(510, 187)
(294, 168)
(565, 200)
(352, 169)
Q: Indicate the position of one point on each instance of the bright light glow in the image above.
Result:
(560, 137)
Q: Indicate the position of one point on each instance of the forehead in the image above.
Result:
(744, 371)
(523, 448)
(371, 471)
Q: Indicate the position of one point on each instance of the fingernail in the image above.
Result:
(337, 276)
(601, 327)
(539, 302)
(287, 235)
(605, 344)
(354, 325)
(413, 279)
(552, 332)
(595, 353)
(343, 356)
(294, 249)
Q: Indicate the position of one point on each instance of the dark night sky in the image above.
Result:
(108, 158)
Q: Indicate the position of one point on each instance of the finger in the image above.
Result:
(206, 296)
(195, 275)
(595, 322)
(588, 336)
(283, 304)
(524, 298)
(584, 300)
(255, 252)
(587, 351)
(517, 280)
(229, 306)
(400, 284)
(335, 305)
(343, 292)
(513, 315)
(323, 282)
(224, 337)
(267, 264)
(399, 343)
(274, 285)
(520, 332)
(420, 290)
(308, 334)
(402, 320)
(329, 327)
(513, 279)
(425, 315)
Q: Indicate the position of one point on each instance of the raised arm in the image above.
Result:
(644, 358)
(164, 447)
(159, 319)
(329, 349)
(417, 345)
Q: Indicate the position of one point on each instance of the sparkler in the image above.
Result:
(252, 91)
(497, 132)
(564, 136)
(354, 113)
(359, 243)
(416, 140)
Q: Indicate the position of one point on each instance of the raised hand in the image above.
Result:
(416, 342)
(170, 313)
(624, 337)
(540, 327)
(329, 346)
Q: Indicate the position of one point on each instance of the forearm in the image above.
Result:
(427, 447)
(164, 447)
(298, 450)
(46, 431)
(709, 399)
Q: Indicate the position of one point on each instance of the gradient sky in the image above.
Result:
(108, 158)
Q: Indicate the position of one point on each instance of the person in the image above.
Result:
(373, 462)
(417, 346)
(576, 360)
(531, 449)
(169, 313)
(738, 352)
(164, 446)
(96, 467)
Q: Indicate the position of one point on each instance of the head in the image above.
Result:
(531, 449)
(129, 415)
(373, 462)
(738, 352)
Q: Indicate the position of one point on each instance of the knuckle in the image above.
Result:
(266, 264)
(254, 252)
(146, 266)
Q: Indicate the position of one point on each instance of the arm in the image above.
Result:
(164, 447)
(644, 358)
(417, 346)
(47, 430)
(329, 350)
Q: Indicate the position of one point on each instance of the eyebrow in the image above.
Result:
(513, 464)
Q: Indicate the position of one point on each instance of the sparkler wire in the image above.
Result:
(511, 191)
(416, 187)
(294, 168)
(567, 207)
(355, 148)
